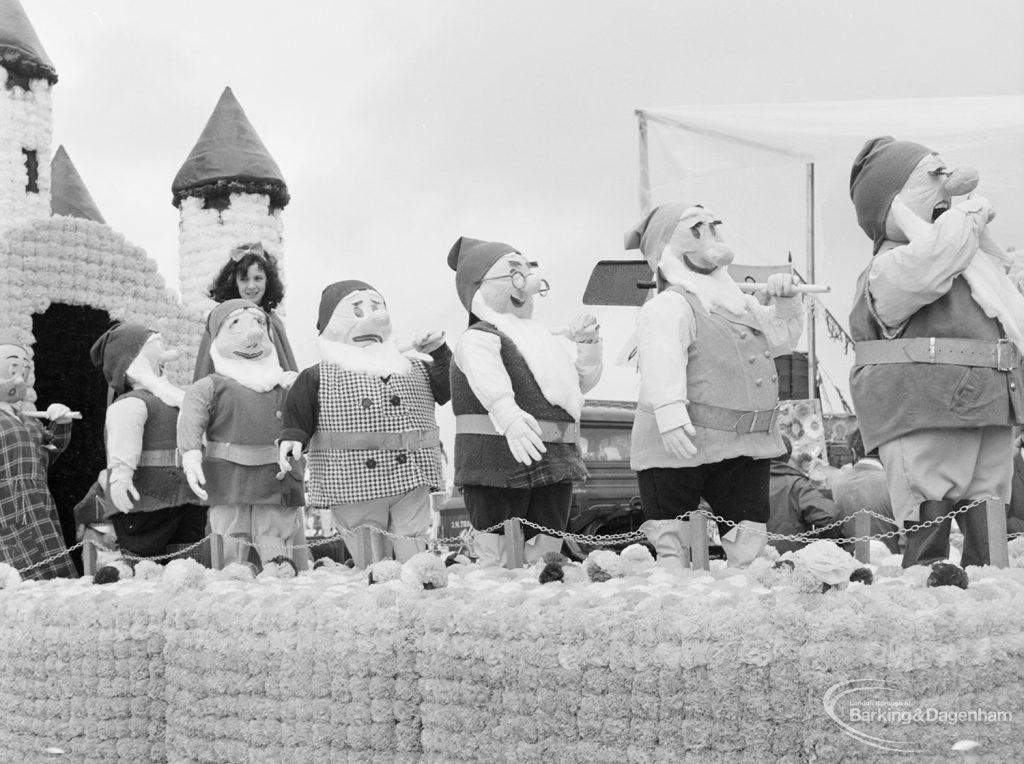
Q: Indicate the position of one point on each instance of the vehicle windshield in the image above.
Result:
(604, 444)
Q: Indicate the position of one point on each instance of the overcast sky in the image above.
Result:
(400, 126)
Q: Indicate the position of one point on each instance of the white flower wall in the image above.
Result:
(496, 667)
(80, 262)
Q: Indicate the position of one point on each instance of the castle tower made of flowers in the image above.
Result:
(229, 191)
(26, 124)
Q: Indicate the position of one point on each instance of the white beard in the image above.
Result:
(545, 354)
(378, 360)
(261, 375)
(142, 377)
(714, 290)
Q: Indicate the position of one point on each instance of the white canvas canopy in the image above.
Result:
(778, 176)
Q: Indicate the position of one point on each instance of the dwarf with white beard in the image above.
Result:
(365, 417)
(149, 501)
(517, 396)
(706, 416)
(238, 410)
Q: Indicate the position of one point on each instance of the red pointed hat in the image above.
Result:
(471, 259)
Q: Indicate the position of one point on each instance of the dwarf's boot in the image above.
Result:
(270, 547)
(974, 525)
(488, 548)
(407, 547)
(671, 542)
(744, 543)
(928, 545)
(539, 545)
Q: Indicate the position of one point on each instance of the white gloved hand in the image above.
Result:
(584, 328)
(428, 342)
(679, 441)
(781, 285)
(192, 466)
(523, 437)
(288, 450)
(58, 413)
(122, 493)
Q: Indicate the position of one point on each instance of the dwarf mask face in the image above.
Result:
(929, 192)
(510, 285)
(151, 359)
(360, 318)
(697, 241)
(14, 373)
(243, 336)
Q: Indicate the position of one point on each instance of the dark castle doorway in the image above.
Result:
(64, 374)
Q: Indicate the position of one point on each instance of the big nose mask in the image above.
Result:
(12, 389)
(375, 327)
(961, 181)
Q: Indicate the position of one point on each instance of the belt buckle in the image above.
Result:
(1005, 355)
(411, 440)
(745, 424)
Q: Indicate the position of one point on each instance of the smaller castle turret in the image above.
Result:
(229, 191)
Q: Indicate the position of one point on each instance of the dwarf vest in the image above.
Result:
(895, 399)
(251, 421)
(353, 402)
(486, 459)
(729, 364)
(158, 478)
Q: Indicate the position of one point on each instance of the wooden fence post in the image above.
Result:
(998, 550)
(513, 553)
(216, 551)
(88, 558)
(862, 527)
(699, 555)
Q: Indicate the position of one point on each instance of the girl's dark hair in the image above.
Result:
(225, 285)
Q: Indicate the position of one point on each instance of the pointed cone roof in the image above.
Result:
(20, 49)
(68, 194)
(229, 156)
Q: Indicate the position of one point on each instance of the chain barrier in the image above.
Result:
(612, 539)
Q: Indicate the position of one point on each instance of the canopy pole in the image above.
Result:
(812, 360)
(645, 166)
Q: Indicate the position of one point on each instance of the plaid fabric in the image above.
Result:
(28, 517)
(352, 402)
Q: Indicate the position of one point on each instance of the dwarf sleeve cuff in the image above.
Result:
(671, 416)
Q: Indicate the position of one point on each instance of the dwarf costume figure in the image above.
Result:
(939, 325)
(29, 528)
(706, 415)
(148, 500)
(517, 395)
(239, 410)
(365, 417)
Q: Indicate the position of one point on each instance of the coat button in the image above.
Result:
(743, 335)
(752, 358)
(366, 403)
(1013, 385)
(758, 382)
(767, 354)
(371, 464)
(402, 458)
(775, 377)
(277, 414)
(395, 400)
(757, 332)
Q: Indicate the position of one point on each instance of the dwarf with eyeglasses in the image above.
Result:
(517, 395)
